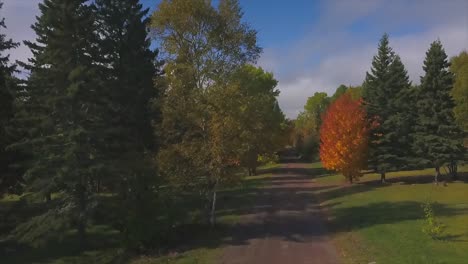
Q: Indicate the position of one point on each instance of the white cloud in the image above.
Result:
(344, 57)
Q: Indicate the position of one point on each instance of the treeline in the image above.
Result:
(408, 126)
(103, 115)
(304, 133)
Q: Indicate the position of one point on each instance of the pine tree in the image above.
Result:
(437, 139)
(62, 120)
(7, 178)
(130, 67)
(384, 94)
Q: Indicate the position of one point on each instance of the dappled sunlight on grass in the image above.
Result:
(383, 223)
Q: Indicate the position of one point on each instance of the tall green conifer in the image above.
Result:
(437, 139)
(130, 68)
(384, 94)
(7, 177)
(62, 118)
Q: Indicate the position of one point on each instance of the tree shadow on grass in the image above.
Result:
(103, 247)
(285, 205)
(288, 224)
(453, 238)
(269, 200)
(297, 172)
(359, 217)
(290, 212)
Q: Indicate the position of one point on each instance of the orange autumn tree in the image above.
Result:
(344, 137)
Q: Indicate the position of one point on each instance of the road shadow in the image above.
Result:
(298, 171)
(284, 206)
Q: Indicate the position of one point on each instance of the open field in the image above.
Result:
(378, 223)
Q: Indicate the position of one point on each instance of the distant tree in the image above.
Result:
(344, 137)
(437, 139)
(8, 179)
(307, 135)
(316, 106)
(308, 123)
(258, 115)
(355, 92)
(459, 67)
(339, 92)
(384, 92)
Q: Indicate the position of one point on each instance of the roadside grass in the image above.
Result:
(191, 244)
(382, 223)
(231, 202)
(196, 256)
(425, 175)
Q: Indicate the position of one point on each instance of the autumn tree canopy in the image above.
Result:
(344, 137)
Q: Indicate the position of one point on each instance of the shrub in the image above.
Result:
(432, 227)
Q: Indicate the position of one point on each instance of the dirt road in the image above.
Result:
(284, 225)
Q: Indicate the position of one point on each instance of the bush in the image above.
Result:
(432, 227)
(268, 159)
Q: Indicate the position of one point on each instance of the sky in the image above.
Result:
(314, 46)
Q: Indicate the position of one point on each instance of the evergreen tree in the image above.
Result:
(437, 139)
(384, 93)
(7, 178)
(130, 67)
(62, 120)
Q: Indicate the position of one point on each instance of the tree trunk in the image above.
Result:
(213, 209)
(82, 234)
(254, 171)
(437, 174)
(382, 177)
(82, 216)
(48, 197)
(98, 185)
(453, 170)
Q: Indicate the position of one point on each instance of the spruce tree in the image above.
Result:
(384, 91)
(7, 178)
(130, 68)
(437, 139)
(62, 118)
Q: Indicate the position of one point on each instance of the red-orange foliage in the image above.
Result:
(344, 136)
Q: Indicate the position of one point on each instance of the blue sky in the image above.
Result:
(315, 46)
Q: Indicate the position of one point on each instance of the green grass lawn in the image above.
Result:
(378, 223)
(203, 245)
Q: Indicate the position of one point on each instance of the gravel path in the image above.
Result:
(284, 225)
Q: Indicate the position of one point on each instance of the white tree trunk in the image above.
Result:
(213, 209)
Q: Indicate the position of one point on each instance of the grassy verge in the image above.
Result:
(208, 250)
(378, 223)
(194, 243)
